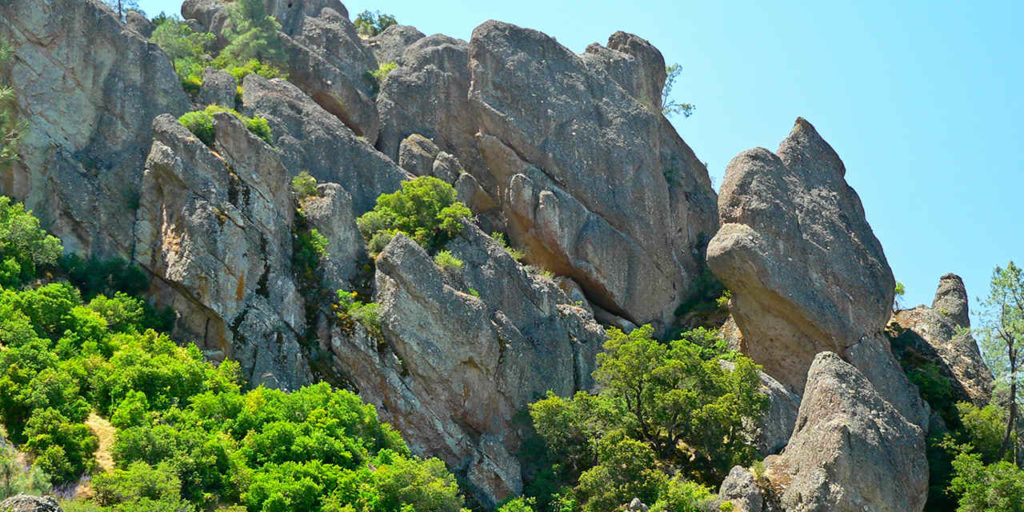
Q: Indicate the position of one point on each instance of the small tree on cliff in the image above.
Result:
(669, 106)
(1002, 333)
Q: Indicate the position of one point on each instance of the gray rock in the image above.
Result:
(330, 213)
(741, 489)
(806, 273)
(851, 450)
(215, 229)
(219, 88)
(88, 91)
(325, 57)
(636, 506)
(777, 425)
(594, 156)
(310, 139)
(137, 21)
(390, 44)
(939, 334)
(447, 168)
(465, 351)
(417, 154)
(27, 503)
(634, 63)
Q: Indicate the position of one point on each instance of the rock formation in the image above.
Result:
(807, 275)
(938, 335)
(777, 425)
(88, 90)
(568, 169)
(851, 450)
(26, 503)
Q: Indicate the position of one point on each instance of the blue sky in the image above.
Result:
(924, 101)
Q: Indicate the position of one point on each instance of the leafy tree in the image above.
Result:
(669, 106)
(252, 34)
(18, 479)
(997, 487)
(1002, 334)
(187, 49)
(426, 209)
(898, 296)
(369, 24)
(24, 247)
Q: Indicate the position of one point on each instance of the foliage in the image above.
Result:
(660, 405)
(669, 106)
(1002, 337)
(200, 123)
(447, 261)
(898, 296)
(378, 75)
(935, 387)
(252, 33)
(188, 437)
(17, 478)
(425, 209)
(350, 309)
(369, 24)
(304, 186)
(997, 487)
(24, 247)
(187, 49)
(10, 125)
(503, 242)
(255, 67)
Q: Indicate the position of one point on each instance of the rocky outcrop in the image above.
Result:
(851, 450)
(219, 88)
(740, 488)
(309, 139)
(464, 351)
(806, 273)
(215, 229)
(939, 335)
(567, 149)
(27, 503)
(389, 45)
(88, 90)
(325, 57)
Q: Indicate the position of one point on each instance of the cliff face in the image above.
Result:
(568, 154)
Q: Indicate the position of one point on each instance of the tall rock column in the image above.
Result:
(806, 272)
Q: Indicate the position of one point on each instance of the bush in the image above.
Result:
(252, 34)
(425, 209)
(24, 247)
(378, 75)
(200, 123)
(304, 186)
(447, 261)
(503, 242)
(255, 67)
(369, 24)
(187, 49)
(368, 314)
(997, 487)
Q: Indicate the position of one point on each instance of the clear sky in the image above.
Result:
(924, 101)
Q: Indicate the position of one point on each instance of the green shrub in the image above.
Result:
(350, 309)
(369, 24)
(304, 185)
(24, 247)
(187, 49)
(503, 242)
(997, 487)
(255, 67)
(200, 123)
(252, 34)
(425, 209)
(447, 261)
(378, 75)
(15, 478)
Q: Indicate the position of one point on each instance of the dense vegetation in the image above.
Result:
(663, 409)
(426, 209)
(369, 24)
(187, 436)
(200, 123)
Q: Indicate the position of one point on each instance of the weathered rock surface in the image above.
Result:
(776, 427)
(215, 229)
(310, 139)
(455, 366)
(136, 21)
(27, 503)
(88, 90)
(851, 450)
(938, 335)
(573, 166)
(219, 88)
(324, 55)
(806, 273)
(741, 489)
(389, 45)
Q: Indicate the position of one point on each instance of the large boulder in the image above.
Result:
(939, 335)
(806, 272)
(88, 89)
(390, 44)
(594, 181)
(308, 138)
(851, 451)
(215, 229)
(464, 351)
